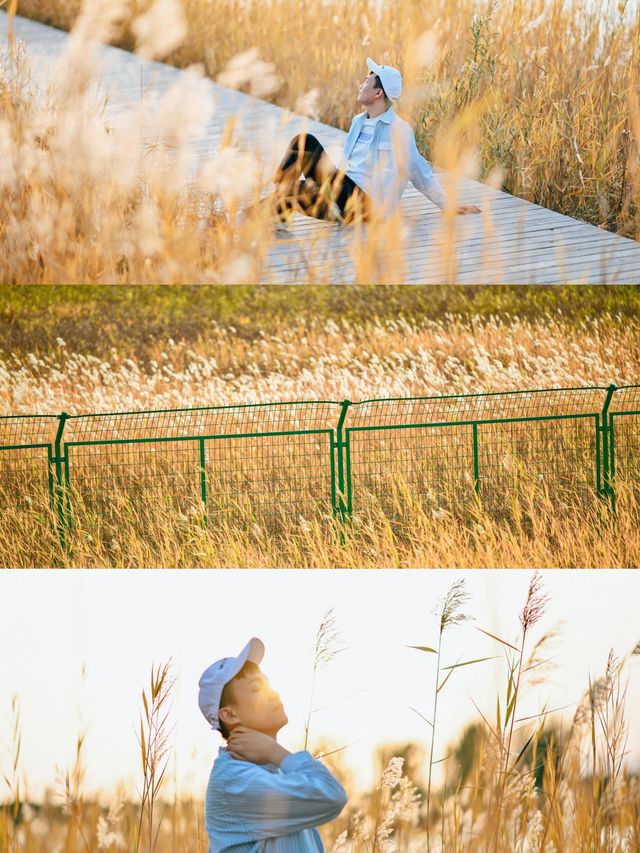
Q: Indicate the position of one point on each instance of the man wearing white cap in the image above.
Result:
(380, 156)
(260, 797)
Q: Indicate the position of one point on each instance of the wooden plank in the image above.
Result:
(494, 249)
(592, 270)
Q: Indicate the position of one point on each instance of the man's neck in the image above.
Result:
(376, 110)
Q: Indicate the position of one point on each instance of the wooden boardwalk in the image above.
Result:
(512, 241)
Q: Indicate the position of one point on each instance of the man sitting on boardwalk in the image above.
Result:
(260, 796)
(380, 156)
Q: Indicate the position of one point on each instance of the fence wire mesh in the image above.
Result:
(26, 472)
(443, 452)
(263, 463)
(624, 419)
(279, 466)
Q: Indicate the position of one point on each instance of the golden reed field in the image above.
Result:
(314, 359)
(509, 783)
(551, 115)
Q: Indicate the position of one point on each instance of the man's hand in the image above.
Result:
(468, 208)
(250, 745)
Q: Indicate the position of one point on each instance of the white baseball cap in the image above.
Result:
(390, 78)
(214, 678)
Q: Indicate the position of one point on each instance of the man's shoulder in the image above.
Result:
(224, 763)
(226, 768)
(399, 124)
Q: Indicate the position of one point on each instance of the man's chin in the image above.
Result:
(282, 720)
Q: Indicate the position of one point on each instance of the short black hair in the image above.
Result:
(227, 693)
(378, 85)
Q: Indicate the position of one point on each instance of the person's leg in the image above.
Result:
(324, 193)
(304, 156)
(354, 204)
(316, 194)
(337, 200)
(309, 198)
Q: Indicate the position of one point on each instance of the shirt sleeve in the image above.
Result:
(346, 139)
(422, 175)
(303, 796)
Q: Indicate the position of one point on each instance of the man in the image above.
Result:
(260, 797)
(380, 156)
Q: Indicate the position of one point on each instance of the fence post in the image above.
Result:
(607, 449)
(476, 464)
(339, 444)
(203, 481)
(59, 459)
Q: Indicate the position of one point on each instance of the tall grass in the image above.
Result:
(137, 322)
(521, 782)
(328, 645)
(535, 536)
(450, 614)
(328, 361)
(154, 741)
(542, 95)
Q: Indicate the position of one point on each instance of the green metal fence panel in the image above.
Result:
(624, 446)
(442, 452)
(264, 464)
(27, 485)
(277, 465)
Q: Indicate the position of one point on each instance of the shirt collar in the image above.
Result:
(385, 117)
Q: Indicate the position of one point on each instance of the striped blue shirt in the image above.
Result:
(260, 808)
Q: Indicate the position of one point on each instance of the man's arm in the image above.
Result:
(303, 796)
(422, 175)
(424, 179)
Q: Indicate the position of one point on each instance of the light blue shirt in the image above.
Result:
(260, 808)
(394, 160)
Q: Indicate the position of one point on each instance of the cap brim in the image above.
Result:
(253, 651)
(372, 66)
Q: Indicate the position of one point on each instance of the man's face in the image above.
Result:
(255, 705)
(368, 90)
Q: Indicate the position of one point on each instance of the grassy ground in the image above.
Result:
(135, 320)
(535, 537)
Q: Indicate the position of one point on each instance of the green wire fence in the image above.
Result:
(274, 463)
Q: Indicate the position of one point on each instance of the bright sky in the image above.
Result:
(114, 625)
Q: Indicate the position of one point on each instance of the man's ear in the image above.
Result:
(228, 717)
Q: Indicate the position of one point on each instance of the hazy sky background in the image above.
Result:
(116, 624)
